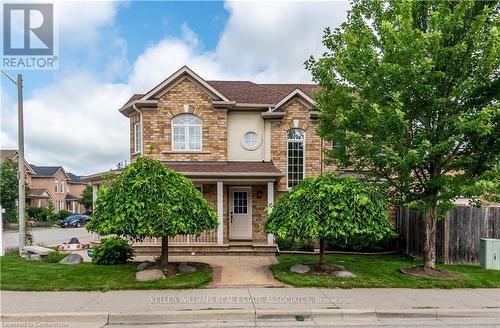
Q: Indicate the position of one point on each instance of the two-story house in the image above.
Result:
(53, 182)
(242, 144)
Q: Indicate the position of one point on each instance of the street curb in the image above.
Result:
(252, 315)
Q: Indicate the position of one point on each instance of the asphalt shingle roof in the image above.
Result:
(223, 167)
(75, 178)
(45, 171)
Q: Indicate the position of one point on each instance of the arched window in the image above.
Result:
(186, 132)
(295, 157)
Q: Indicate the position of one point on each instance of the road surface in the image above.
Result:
(47, 236)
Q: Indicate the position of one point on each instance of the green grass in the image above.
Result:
(17, 273)
(379, 271)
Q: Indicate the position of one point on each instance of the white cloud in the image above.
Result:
(75, 122)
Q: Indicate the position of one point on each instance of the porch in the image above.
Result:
(240, 192)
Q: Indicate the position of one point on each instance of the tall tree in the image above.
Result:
(410, 91)
(330, 206)
(150, 200)
(87, 198)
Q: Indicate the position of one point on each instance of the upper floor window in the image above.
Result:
(62, 187)
(186, 132)
(57, 186)
(137, 137)
(295, 157)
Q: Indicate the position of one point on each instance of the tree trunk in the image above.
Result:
(321, 251)
(164, 252)
(429, 249)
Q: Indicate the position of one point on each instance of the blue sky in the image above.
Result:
(109, 50)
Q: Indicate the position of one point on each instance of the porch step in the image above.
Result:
(206, 249)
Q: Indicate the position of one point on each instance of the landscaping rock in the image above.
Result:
(344, 274)
(43, 251)
(34, 257)
(72, 259)
(186, 268)
(144, 266)
(149, 275)
(300, 268)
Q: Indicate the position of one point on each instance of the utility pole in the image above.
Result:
(22, 189)
(20, 174)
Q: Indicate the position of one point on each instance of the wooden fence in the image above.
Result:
(457, 236)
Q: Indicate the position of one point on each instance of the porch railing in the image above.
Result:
(206, 237)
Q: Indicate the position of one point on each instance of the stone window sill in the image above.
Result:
(136, 153)
(185, 152)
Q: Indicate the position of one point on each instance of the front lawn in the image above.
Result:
(377, 271)
(17, 273)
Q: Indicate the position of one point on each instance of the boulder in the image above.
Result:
(149, 275)
(43, 251)
(186, 268)
(300, 268)
(344, 274)
(72, 259)
(34, 257)
(144, 266)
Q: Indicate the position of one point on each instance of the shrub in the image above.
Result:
(362, 244)
(54, 257)
(62, 214)
(113, 250)
(39, 213)
(287, 244)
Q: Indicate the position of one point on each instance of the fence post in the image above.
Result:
(446, 238)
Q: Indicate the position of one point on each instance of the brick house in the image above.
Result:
(242, 144)
(64, 188)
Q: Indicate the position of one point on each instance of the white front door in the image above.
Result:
(240, 213)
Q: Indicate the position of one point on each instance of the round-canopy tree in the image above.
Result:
(150, 200)
(330, 206)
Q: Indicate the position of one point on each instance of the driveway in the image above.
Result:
(47, 236)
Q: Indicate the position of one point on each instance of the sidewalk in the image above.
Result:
(251, 305)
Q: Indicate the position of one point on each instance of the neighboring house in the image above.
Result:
(50, 182)
(64, 188)
(243, 144)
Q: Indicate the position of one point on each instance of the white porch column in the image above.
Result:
(94, 193)
(73, 207)
(270, 201)
(220, 212)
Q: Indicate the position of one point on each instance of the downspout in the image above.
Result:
(142, 128)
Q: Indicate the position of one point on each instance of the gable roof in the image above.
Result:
(8, 154)
(183, 71)
(47, 171)
(260, 95)
(39, 193)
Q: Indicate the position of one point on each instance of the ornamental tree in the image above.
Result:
(330, 206)
(150, 200)
(410, 93)
(9, 188)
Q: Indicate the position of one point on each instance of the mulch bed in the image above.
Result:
(325, 269)
(419, 271)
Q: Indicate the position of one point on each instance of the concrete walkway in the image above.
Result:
(234, 271)
(252, 305)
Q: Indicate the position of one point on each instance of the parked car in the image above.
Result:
(74, 220)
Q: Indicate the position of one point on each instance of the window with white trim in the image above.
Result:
(186, 132)
(57, 186)
(62, 187)
(295, 157)
(137, 137)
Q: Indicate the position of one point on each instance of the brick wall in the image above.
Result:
(157, 132)
(296, 116)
